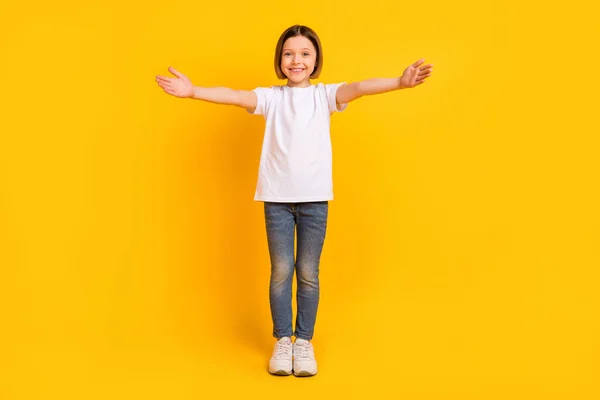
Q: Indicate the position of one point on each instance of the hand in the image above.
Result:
(414, 75)
(179, 87)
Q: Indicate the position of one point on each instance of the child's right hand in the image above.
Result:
(179, 87)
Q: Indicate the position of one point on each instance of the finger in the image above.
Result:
(175, 72)
(428, 66)
(419, 62)
(162, 79)
(166, 88)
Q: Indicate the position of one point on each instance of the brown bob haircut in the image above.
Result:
(293, 31)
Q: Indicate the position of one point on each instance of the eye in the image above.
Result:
(306, 54)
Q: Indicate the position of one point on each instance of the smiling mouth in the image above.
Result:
(296, 70)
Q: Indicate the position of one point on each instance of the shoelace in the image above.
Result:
(282, 350)
(303, 352)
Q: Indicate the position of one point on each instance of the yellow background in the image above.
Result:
(461, 258)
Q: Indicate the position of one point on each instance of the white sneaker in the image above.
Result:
(304, 358)
(281, 360)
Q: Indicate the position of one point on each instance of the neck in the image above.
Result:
(303, 84)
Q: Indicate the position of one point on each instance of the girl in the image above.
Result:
(295, 175)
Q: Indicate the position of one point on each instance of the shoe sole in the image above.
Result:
(304, 373)
(280, 372)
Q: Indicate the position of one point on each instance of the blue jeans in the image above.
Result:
(310, 221)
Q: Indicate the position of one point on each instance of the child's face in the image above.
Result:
(298, 59)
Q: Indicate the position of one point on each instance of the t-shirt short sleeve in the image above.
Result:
(331, 90)
(264, 95)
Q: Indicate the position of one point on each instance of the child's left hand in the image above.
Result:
(414, 75)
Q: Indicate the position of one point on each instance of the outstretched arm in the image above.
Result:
(413, 75)
(183, 87)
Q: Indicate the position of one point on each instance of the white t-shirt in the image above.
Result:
(296, 161)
